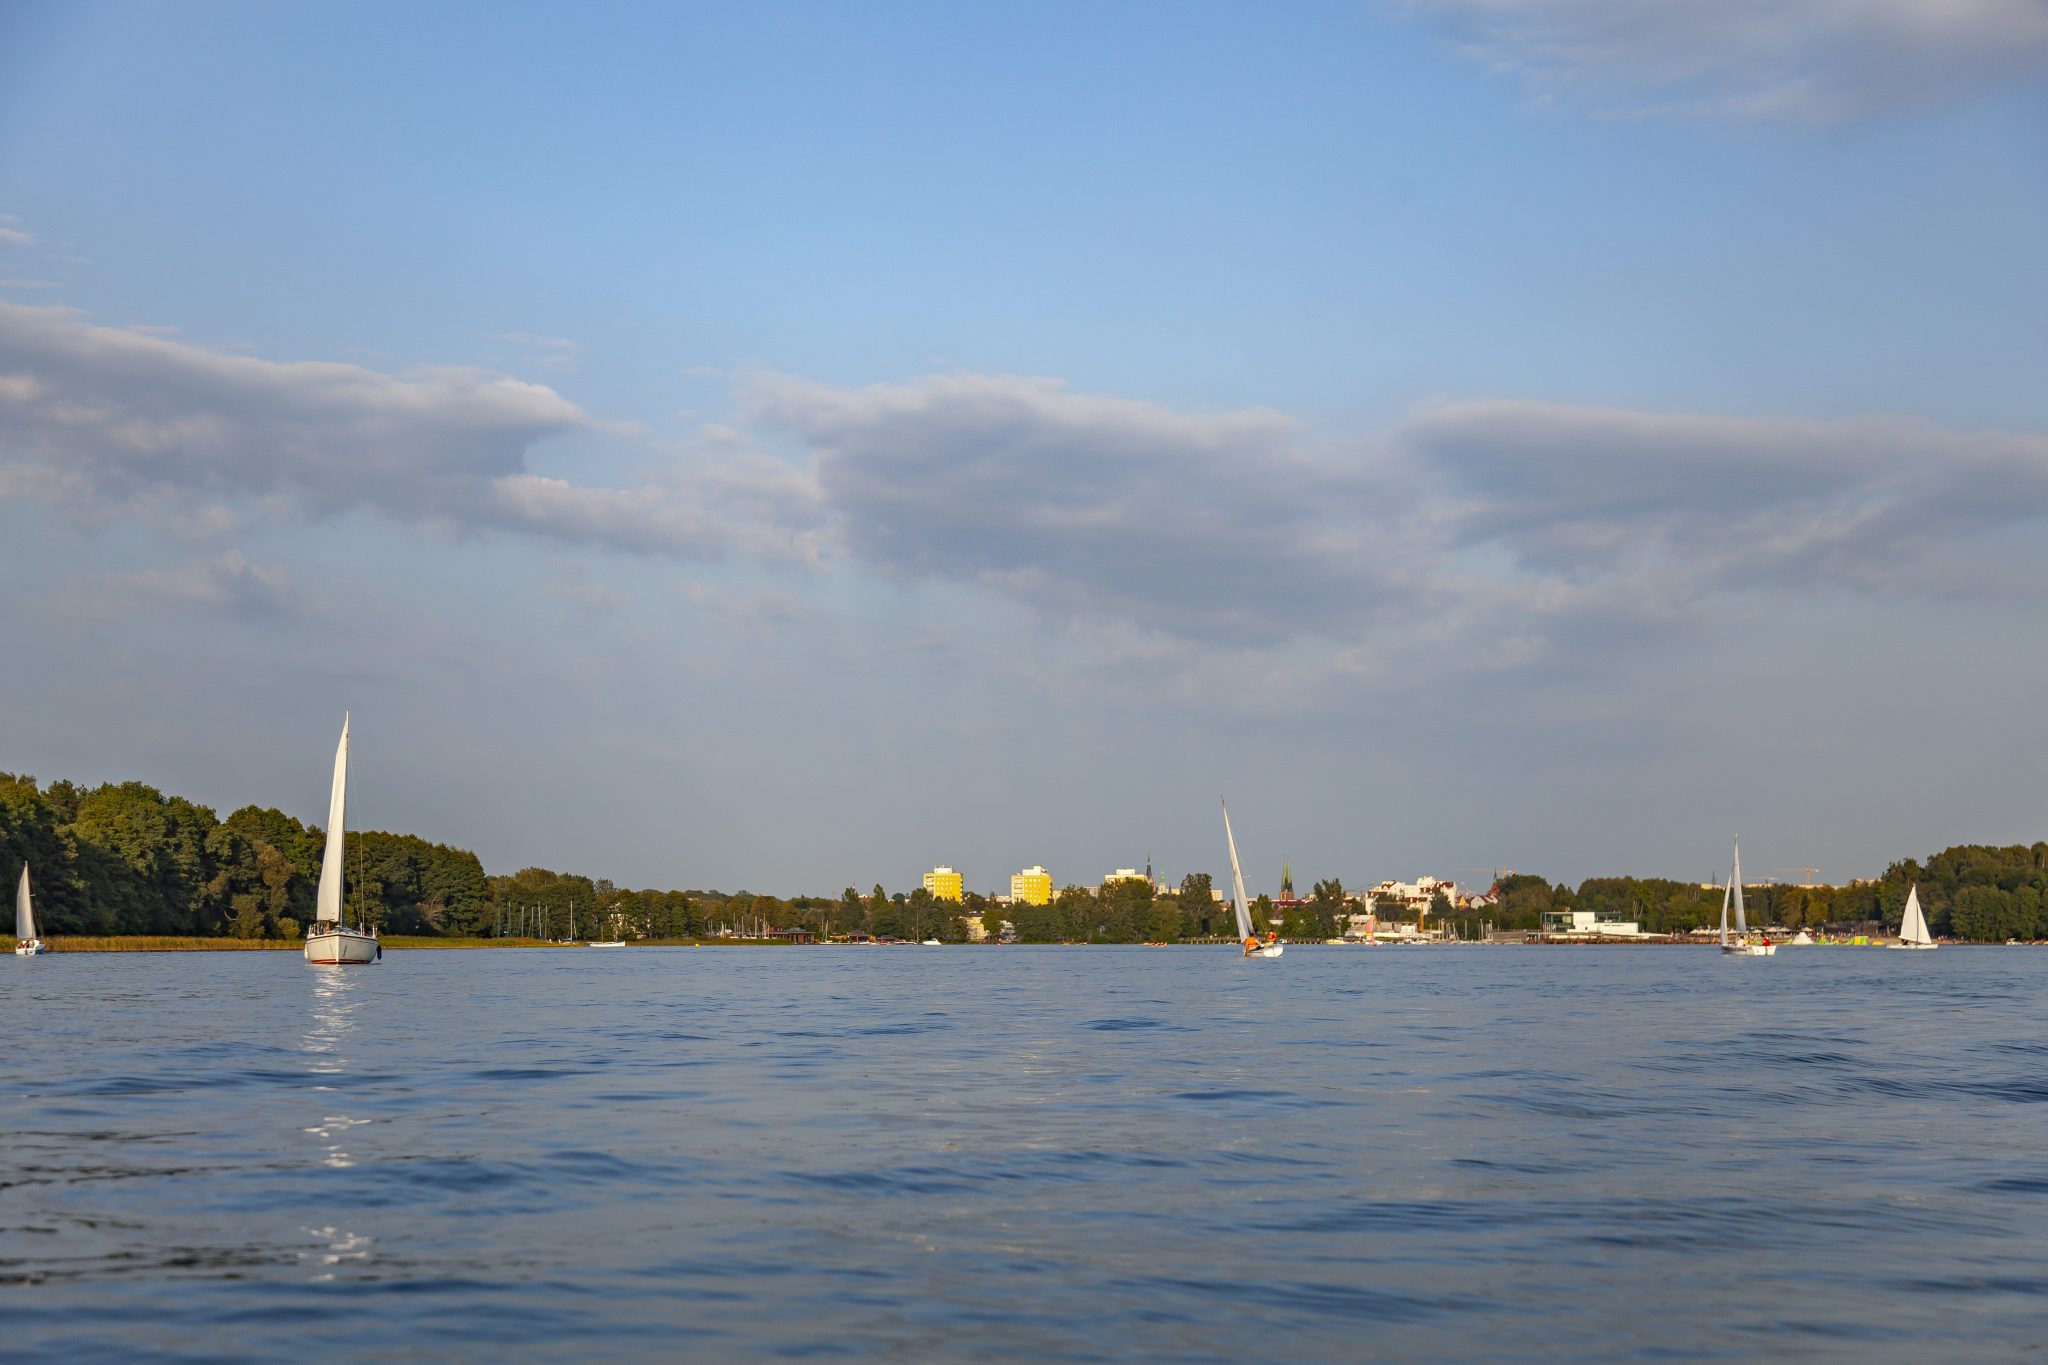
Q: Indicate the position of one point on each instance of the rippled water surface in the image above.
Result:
(1084, 1154)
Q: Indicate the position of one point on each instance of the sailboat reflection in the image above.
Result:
(336, 998)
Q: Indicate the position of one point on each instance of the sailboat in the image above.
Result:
(1272, 947)
(1743, 946)
(329, 942)
(27, 944)
(1913, 928)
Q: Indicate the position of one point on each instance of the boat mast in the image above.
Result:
(1741, 922)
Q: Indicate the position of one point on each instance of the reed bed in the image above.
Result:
(164, 943)
(169, 943)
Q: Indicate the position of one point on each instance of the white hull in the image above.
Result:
(342, 948)
(930, 943)
(615, 943)
(1750, 949)
(1270, 950)
(33, 948)
(1914, 947)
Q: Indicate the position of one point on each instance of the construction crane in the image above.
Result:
(1808, 876)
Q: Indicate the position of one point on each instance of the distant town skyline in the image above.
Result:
(709, 445)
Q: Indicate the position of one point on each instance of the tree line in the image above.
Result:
(1971, 891)
(124, 858)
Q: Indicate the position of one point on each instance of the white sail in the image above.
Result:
(1913, 928)
(1735, 881)
(328, 905)
(1244, 914)
(1725, 891)
(24, 911)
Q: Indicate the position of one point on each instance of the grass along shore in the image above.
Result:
(164, 943)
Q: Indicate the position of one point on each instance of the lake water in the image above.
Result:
(1084, 1154)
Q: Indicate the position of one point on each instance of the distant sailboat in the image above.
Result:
(329, 942)
(618, 942)
(27, 944)
(1253, 948)
(1743, 946)
(1913, 927)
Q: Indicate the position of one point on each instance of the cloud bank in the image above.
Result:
(1490, 525)
(1494, 529)
(1816, 61)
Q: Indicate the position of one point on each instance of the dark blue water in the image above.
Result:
(1083, 1154)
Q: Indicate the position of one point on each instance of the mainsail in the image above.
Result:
(24, 912)
(1244, 914)
(1912, 928)
(1735, 881)
(328, 905)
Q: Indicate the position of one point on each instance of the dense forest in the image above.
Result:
(126, 859)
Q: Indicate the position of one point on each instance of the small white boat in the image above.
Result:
(26, 944)
(1913, 927)
(1743, 944)
(1272, 947)
(930, 943)
(329, 942)
(608, 943)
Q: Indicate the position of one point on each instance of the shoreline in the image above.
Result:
(162, 943)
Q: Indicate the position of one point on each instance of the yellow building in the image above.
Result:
(943, 883)
(1032, 886)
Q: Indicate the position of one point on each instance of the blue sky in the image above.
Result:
(791, 445)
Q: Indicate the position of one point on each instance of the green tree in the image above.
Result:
(1327, 909)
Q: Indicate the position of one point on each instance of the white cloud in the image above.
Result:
(103, 418)
(1701, 503)
(1206, 524)
(1814, 61)
(15, 237)
(226, 584)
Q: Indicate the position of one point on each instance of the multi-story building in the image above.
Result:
(1124, 874)
(1032, 886)
(943, 883)
(1396, 897)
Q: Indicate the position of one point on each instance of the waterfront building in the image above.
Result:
(1413, 896)
(1032, 886)
(944, 884)
(1590, 924)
